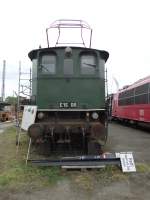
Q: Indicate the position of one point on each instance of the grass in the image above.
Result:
(13, 171)
(104, 176)
(15, 174)
(143, 168)
(21, 174)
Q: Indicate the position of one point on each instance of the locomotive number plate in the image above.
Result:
(67, 105)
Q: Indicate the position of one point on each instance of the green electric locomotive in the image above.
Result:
(68, 87)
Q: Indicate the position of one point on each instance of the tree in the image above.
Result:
(12, 100)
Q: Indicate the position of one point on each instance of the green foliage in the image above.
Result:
(12, 100)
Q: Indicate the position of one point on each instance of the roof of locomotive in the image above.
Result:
(136, 84)
(32, 54)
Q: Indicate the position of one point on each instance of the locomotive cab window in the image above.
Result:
(48, 64)
(88, 64)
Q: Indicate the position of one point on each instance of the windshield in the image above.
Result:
(48, 64)
(88, 64)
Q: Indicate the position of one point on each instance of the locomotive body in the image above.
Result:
(68, 87)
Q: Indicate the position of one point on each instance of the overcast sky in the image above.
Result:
(122, 27)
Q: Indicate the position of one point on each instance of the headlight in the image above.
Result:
(68, 51)
(40, 115)
(95, 115)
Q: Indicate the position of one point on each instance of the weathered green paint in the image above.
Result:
(87, 90)
(88, 93)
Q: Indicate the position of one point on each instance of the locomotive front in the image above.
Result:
(68, 87)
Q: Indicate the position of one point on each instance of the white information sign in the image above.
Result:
(127, 162)
(28, 118)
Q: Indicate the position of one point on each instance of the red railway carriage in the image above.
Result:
(133, 102)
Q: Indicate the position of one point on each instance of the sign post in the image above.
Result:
(28, 118)
(127, 162)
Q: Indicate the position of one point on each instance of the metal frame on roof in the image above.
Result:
(69, 24)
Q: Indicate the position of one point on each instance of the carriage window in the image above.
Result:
(68, 66)
(88, 64)
(48, 64)
(141, 89)
(127, 93)
(141, 99)
(126, 101)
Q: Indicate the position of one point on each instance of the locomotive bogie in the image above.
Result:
(72, 129)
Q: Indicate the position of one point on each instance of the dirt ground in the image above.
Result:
(90, 185)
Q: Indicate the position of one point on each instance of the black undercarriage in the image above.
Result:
(68, 136)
